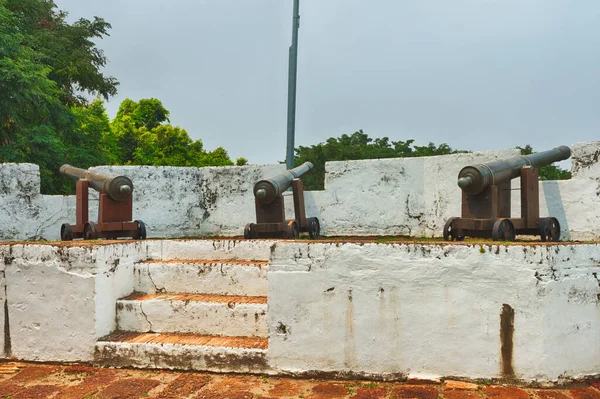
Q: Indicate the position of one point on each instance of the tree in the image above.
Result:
(358, 146)
(94, 142)
(68, 50)
(48, 69)
(548, 172)
(217, 157)
(131, 118)
(164, 145)
(145, 139)
(31, 114)
(44, 64)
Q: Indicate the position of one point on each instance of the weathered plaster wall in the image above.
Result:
(193, 202)
(434, 310)
(387, 310)
(401, 196)
(172, 201)
(586, 160)
(50, 292)
(25, 214)
(60, 299)
(412, 196)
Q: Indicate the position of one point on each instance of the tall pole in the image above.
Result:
(292, 72)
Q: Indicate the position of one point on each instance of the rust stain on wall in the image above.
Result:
(507, 329)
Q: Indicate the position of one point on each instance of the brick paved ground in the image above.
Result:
(29, 381)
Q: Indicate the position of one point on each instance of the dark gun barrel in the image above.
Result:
(118, 188)
(267, 190)
(474, 179)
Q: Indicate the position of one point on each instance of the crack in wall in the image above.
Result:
(146, 317)
(598, 280)
(51, 220)
(156, 289)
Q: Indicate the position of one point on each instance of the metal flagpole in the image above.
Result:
(292, 72)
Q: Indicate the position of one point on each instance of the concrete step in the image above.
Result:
(244, 316)
(224, 277)
(183, 352)
(214, 249)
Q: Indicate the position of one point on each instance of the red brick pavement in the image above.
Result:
(38, 381)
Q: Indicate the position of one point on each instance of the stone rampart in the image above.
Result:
(529, 312)
(402, 196)
(385, 311)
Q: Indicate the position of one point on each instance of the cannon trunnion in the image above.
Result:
(486, 199)
(114, 210)
(270, 209)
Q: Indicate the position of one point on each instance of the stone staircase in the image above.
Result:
(192, 314)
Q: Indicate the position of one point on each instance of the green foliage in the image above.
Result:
(67, 49)
(241, 161)
(143, 139)
(92, 141)
(47, 66)
(150, 113)
(132, 121)
(31, 115)
(162, 146)
(42, 65)
(358, 146)
(548, 172)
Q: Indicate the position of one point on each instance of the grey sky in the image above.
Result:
(476, 74)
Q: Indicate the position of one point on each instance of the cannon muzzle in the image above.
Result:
(474, 179)
(118, 188)
(267, 190)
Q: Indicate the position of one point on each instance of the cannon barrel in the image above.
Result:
(474, 179)
(267, 190)
(118, 188)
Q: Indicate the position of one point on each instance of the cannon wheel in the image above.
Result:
(249, 231)
(314, 228)
(292, 230)
(90, 231)
(503, 230)
(66, 232)
(449, 233)
(549, 229)
(141, 230)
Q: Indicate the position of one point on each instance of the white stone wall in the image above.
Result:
(400, 196)
(194, 202)
(61, 299)
(410, 196)
(25, 214)
(586, 157)
(386, 310)
(50, 292)
(434, 310)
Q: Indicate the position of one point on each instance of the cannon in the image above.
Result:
(270, 209)
(114, 209)
(486, 199)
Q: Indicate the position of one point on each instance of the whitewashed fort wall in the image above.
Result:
(409, 196)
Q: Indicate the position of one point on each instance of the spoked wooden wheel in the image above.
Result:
(249, 231)
(292, 230)
(141, 230)
(66, 232)
(314, 228)
(549, 229)
(450, 234)
(90, 231)
(503, 230)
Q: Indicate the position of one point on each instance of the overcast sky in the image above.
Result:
(476, 74)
